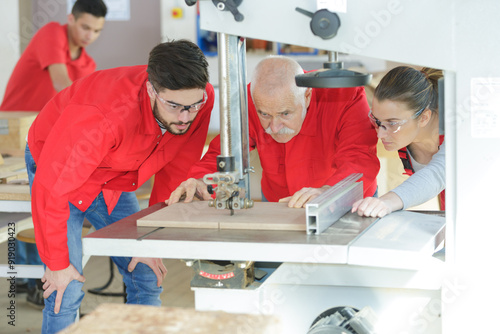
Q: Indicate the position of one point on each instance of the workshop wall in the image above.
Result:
(126, 43)
(178, 20)
(9, 41)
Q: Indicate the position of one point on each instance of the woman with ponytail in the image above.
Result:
(405, 116)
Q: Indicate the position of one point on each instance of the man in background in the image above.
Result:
(54, 58)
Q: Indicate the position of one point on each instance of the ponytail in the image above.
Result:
(417, 89)
(433, 77)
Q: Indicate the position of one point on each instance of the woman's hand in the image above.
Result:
(378, 207)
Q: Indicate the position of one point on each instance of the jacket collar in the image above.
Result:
(148, 124)
(309, 127)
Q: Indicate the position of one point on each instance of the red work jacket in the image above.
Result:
(30, 86)
(100, 135)
(336, 139)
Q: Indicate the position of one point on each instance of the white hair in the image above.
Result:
(275, 72)
(283, 131)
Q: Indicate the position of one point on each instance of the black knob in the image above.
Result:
(230, 5)
(324, 23)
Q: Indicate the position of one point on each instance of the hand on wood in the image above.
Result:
(187, 190)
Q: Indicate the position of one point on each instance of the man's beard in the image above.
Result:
(283, 131)
(169, 126)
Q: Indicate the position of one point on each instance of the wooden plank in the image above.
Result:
(8, 177)
(14, 127)
(263, 216)
(136, 319)
(11, 192)
(12, 164)
(13, 170)
(266, 216)
(21, 224)
(12, 152)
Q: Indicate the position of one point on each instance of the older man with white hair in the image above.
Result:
(308, 139)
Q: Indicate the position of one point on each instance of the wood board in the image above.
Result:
(137, 319)
(263, 216)
(14, 127)
(15, 192)
(14, 177)
(11, 164)
(13, 170)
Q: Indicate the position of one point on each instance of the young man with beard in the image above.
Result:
(94, 144)
(308, 139)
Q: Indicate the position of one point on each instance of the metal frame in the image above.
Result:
(448, 37)
(125, 238)
(330, 206)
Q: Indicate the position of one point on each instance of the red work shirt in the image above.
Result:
(97, 135)
(30, 87)
(336, 140)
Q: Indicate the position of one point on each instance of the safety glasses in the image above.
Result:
(179, 108)
(391, 126)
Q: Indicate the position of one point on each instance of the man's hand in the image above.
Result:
(303, 196)
(189, 189)
(378, 207)
(58, 280)
(154, 263)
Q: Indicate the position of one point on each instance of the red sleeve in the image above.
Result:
(208, 164)
(357, 145)
(52, 45)
(68, 158)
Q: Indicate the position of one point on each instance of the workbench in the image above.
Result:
(356, 261)
(14, 197)
(10, 225)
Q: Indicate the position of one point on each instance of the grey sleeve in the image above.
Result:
(424, 184)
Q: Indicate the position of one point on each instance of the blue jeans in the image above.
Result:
(141, 284)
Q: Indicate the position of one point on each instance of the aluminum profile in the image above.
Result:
(330, 206)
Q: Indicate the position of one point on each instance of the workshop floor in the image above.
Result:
(176, 291)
